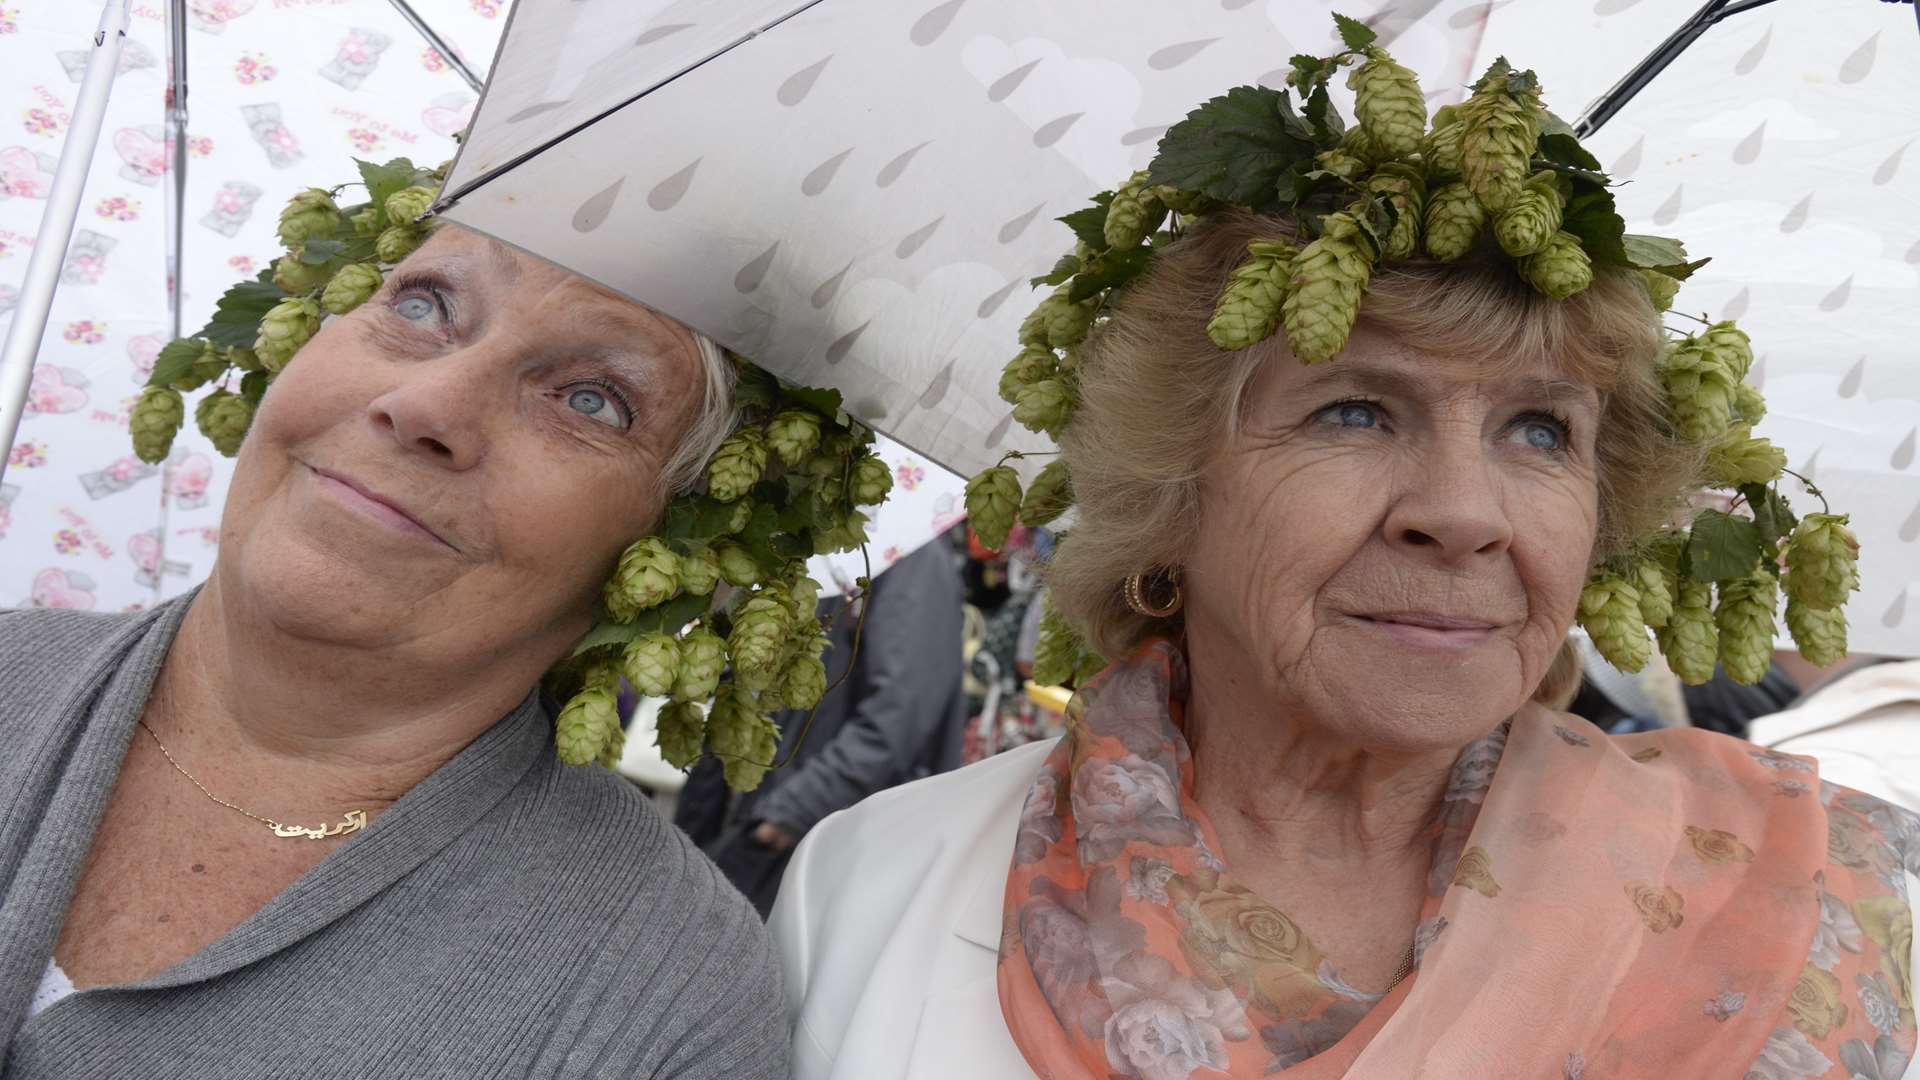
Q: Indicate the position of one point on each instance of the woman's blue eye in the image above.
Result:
(1542, 435)
(595, 405)
(414, 307)
(1356, 414)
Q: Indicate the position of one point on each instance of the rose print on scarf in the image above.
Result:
(1773, 759)
(1815, 1006)
(1116, 801)
(1147, 880)
(1716, 847)
(1723, 1006)
(1790, 787)
(1856, 845)
(1236, 940)
(1165, 1025)
(1475, 871)
(1882, 1007)
(1039, 819)
(1884, 1060)
(1887, 921)
(1900, 826)
(1292, 1043)
(57, 588)
(1071, 941)
(1658, 906)
(1571, 738)
(1789, 1056)
(1837, 932)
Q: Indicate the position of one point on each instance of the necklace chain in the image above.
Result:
(1405, 969)
(354, 821)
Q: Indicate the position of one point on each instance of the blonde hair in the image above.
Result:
(686, 467)
(1158, 398)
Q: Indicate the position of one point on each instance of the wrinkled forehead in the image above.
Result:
(1376, 360)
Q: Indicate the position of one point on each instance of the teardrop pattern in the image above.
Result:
(667, 193)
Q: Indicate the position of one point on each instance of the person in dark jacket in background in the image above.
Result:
(898, 716)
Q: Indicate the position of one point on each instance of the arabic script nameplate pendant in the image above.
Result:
(353, 822)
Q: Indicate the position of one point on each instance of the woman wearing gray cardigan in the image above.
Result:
(308, 821)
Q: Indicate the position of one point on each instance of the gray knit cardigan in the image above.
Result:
(508, 917)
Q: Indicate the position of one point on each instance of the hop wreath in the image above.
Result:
(714, 612)
(1497, 171)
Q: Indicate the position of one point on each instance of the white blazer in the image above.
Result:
(1864, 728)
(888, 927)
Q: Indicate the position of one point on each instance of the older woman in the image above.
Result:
(419, 525)
(1323, 818)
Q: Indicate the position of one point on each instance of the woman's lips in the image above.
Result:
(1427, 631)
(370, 504)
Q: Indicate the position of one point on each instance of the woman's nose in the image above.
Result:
(442, 408)
(1450, 505)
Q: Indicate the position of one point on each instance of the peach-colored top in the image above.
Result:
(1648, 906)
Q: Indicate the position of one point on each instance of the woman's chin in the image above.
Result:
(1417, 700)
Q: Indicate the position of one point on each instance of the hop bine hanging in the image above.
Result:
(795, 479)
(1497, 174)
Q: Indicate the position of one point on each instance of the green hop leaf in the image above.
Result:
(1721, 547)
(350, 287)
(1661, 289)
(1691, 641)
(396, 242)
(872, 480)
(1823, 562)
(652, 663)
(1049, 496)
(207, 365)
(1389, 104)
(1323, 296)
(1056, 650)
(1341, 164)
(1739, 458)
(1133, 214)
(587, 724)
(758, 641)
(284, 330)
(1044, 406)
(408, 205)
(1454, 221)
(793, 434)
(1559, 269)
(1821, 636)
(1610, 614)
(679, 731)
(703, 657)
(1235, 148)
(1249, 308)
(223, 417)
(1354, 34)
(245, 359)
(648, 575)
(1745, 618)
(737, 465)
(993, 501)
(310, 214)
(156, 419)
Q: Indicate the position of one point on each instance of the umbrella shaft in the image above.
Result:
(56, 225)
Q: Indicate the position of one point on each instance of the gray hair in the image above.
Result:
(686, 468)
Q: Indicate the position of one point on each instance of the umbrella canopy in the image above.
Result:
(855, 191)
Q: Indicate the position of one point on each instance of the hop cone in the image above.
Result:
(156, 419)
(211, 364)
(1748, 402)
(1134, 212)
(614, 749)
(737, 465)
(1056, 650)
(1690, 640)
(652, 663)
(1559, 269)
(703, 656)
(1532, 219)
(993, 500)
(758, 639)
(699, 571)
(1407, 191)
(679, 730)
(1249, 308)
(1661, 289)
(871, 480)
(1341, 164)
(803, 681)
(1044, 406)
(367, 222)
(223, 418)
(793, 434)
(1454, 221)
(396, 242)
(847, 533)
(350, 287)
(311, 214)
(1731, 346)
(244, 359)
(1823, 559)
(408, 205)
(1388, 102)
(648, 575)
(286, 327)
(1700, 390)
(1745, 618)
(1739, 458)
(1357, 143)
(1650, 580)
(1498, 130)
(1323, 296)
(742, 737)
(1032, 365)
(1441, 147)
(295, 277)
(1821, 636)
(1048, 496)
(802, 598)
(1057, 322)
(742, 514)
(1181, 202)
(736, 565)
(1610, 613)
(587, 724)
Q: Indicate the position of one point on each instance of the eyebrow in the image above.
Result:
(1409, 384)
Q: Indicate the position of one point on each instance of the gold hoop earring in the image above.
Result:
(1135, 590)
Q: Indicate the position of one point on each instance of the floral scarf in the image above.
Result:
(1656, 905)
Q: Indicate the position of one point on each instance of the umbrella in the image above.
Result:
(855, 191)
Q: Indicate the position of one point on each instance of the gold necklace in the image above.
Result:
(353, 822)
(1400, 973)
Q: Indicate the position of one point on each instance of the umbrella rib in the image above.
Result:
(1656, 61)
(177, 132)
(448, 200)
(439, 44)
